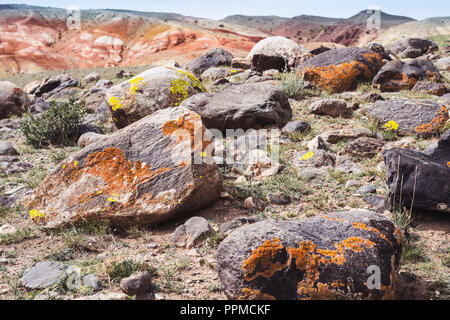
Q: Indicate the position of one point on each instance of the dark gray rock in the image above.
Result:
(43, 275)
(138, 284)
(7, 149)
(319, 258)
(378, 48)
(426, 177)
(248, 106)
(437, 89)
(364, 147)
(330, 107)
(279, 199)
(190, 232)
(380, 204)
(214, 58)
(397, 75)
(296, 126)
(367, 189)
(261, 63)
(92, 281)
(413, 47)
(236, 223)
(53, 85)
(13, 100)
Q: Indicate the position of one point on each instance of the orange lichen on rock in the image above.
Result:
(119, 175)
(272, 257)
(435, 124)
(342, 77)
(359, 225)
(264, 259)
(187, 127)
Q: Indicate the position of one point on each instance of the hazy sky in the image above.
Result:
(218, 9)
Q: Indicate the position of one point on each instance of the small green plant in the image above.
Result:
(18, 236)
(294, 87)
(58, 125)
(415, 252)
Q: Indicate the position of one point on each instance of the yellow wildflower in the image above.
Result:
(307, 156)
(391, 125)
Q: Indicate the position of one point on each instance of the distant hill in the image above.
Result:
(264, 23)
(306, 28)
(34, 38)
(428, 28)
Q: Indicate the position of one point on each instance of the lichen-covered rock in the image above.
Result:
(155, 89)
(412, 116)
(341, 69)
(142, 174)
(242, 107)
(13, 100)
(214, 58)
(398, 75)
(424, 177)
(275, 53)
(378, 48)
(329, 257)
(413, 47)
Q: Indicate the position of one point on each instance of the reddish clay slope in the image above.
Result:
(33, 44)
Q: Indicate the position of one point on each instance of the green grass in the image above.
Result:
(294, 87)
(119, 270)
(415, 252)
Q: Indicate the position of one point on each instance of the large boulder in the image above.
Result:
(142, 174)
(337, 256)
(155, 89)
(341, 69)
(242, 107)
(275, 53)
(412, 116)
(420, 177)
(214, 58)
(413, 47)
(397, 75)
(13, 100)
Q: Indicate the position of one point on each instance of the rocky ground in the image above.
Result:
(335, 156)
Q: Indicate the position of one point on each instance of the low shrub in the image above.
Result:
(58, 125)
